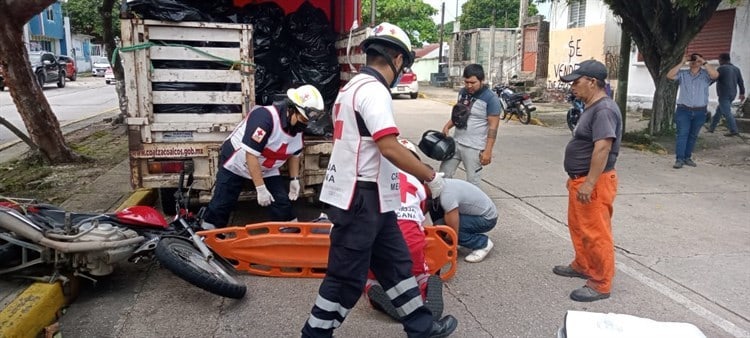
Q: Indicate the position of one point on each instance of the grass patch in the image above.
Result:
(642, 140)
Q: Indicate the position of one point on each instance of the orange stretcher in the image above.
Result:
(284, 249)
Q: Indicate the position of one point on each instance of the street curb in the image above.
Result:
(30, 312)
(38, 306)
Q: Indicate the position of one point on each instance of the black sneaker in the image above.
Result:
(689, 162)
(678, 164)
(434, 298)
(587, 294)
(443, 327)
(730, 134)
(567, 271)
(381, 302)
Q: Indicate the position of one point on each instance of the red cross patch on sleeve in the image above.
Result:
(259, 134)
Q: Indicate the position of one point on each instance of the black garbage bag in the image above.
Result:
(314, 41)
(269, 49)
(322, 126)
(183, 10)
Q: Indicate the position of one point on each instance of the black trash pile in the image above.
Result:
(289, 50)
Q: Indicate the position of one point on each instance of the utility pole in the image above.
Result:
(442, 30)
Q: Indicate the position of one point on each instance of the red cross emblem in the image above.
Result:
(259, 134)
(406, 187)
(274, 155)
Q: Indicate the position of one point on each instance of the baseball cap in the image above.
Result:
(590, 68)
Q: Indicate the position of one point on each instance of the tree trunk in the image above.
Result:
(662, 109)
(32, 105)
(110, 44)
(622, 77)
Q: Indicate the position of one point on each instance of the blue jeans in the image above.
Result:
(471, 230)
(689, 123)
(724, 109)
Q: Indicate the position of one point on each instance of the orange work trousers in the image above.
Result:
(590, 227)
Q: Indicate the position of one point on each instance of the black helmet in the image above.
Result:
(437, 146)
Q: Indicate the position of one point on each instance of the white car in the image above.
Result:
(407, 85)
(99, 65)
(109, 76)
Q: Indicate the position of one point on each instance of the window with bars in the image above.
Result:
(576, 13)
(50, 14)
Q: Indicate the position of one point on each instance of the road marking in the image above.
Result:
(554, 227)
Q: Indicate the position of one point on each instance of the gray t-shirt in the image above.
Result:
(599, 121)
(469, 199)
(483, 103)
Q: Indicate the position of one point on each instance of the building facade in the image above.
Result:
(726, 32)
(581, 30)
(46, 31)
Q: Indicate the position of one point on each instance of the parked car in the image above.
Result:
(407, 85)
(99, 65)
(109, 76)
(47, 69)
(71, 71)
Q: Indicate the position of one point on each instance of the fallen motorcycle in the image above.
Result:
(34, 234)
(518, 104)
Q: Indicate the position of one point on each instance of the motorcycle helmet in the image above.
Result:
(437, 145)
(392, 36)
(308, 101)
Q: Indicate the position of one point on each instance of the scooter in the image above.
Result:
(34, 234)
(518, 104)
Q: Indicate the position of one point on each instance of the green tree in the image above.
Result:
(36, 113)
(662, 30)
(413, 16)
(85, 17)
(479, 13)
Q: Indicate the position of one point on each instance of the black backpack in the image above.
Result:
(460, 115)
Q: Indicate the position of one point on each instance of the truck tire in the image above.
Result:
(184, 260)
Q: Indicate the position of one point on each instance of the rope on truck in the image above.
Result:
(233, 64)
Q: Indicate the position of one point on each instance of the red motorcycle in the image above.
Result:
(34, 234)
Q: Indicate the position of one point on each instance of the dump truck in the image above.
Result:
(173, 127)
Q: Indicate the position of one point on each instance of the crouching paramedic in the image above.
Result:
(362, 189)
(411, 216)
(258, 146)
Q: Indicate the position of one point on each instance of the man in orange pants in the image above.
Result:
(590, 158)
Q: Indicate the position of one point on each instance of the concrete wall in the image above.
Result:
(641, 87)
(598, 39)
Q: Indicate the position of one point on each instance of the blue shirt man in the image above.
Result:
(691, 105)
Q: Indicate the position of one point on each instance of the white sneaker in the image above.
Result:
(478, 255)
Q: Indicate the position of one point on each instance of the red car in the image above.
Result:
(71, 71)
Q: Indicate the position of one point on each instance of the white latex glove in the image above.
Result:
(264, 196)
(437, 184)
(293, 190)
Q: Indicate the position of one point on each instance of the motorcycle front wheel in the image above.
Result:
(524, 115)
(185, 260)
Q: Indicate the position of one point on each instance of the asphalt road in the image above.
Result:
(681, 239)
(83, 98)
